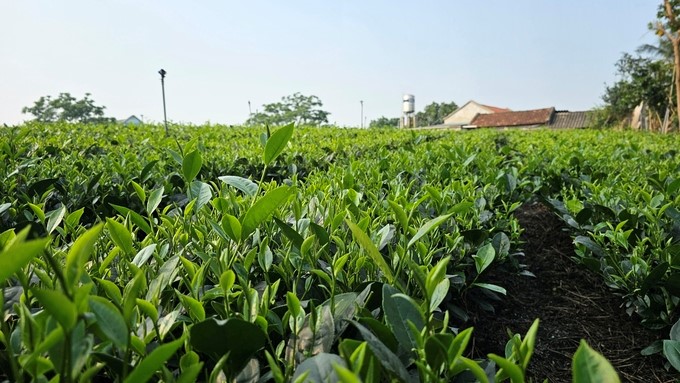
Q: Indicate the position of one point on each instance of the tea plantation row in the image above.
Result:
(308, 254)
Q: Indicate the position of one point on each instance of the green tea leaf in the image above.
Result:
(139, 190)
(277, 142)
(399, 213)
(484, 257)
(264, 208)
(399, 311)
(319, 368)
(80, 253)
(490, 286)
(428, 227)
(232, 227)
(59, 306)
(148, 309)
(18, 255)
(243, 184)
(386, 357)
(148, 366)
(110, 321)
(671, 350)
(201, 192)
(155, 199)
(675, 331)
(120, 235)
(512, 370)
(371, 250)
(239, 338)
(144, 255)
(589, 366)
(135, 217)
(54, 218)
(191, 165)
(290, 233)
(193, 306)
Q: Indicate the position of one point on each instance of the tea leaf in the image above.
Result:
(235, 336)
(54, 218)
(263, 209)
(319, 368)
(428, 227)
(589, 366)
(120, 235)
(191, 165)
(201, 192)
(144, 255)
(386, 357)
(59, 306)
(148, 366)
(155, 199)
(371, 250)
(277, 142)
(232, 227)
(18, 255)
(399, 311)
(110, 321)
(245, 185)
(507, 367)
(484, 257)
(491, 287)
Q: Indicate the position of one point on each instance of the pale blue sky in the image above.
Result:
(219, 55)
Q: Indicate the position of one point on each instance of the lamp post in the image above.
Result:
(162, 72)
(362, 113)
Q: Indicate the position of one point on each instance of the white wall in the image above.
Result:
(466, 113)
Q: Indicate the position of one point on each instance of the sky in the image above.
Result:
(219, 55)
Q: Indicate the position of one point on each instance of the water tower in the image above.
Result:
(408, 112)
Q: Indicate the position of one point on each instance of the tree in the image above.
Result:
(67, 108)
(434, 113)
(641, 79)
(668, 25)
(384, 122)
(305, 110)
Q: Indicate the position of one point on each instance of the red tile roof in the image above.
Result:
(519, 118)
(496, 109)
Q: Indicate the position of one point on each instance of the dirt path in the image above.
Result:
(572, 303)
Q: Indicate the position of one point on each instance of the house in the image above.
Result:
(547, 117)
(132, 120)
(524, 118)
(564, 119)
(466, 113)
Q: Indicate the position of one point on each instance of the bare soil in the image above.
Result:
(572, 304)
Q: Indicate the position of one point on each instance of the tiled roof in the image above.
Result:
(564, 119)
(496, 109)
(519, 118)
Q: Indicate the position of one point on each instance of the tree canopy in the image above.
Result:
(668, 26)
(67, 108)
(640, 79)
(434, 113)
(305, 110)
(384, 122)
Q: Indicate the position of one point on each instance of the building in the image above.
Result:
(524, 118)
(132, 120)
(466, 113)
(546, 117)
(564, 119)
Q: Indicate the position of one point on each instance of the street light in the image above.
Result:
(162, 72)
(362, 113)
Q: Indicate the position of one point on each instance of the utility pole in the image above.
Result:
(362, 113)
(162, 72)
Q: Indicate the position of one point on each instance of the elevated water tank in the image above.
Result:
(409, 103)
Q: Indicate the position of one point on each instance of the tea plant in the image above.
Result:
(292, 255)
